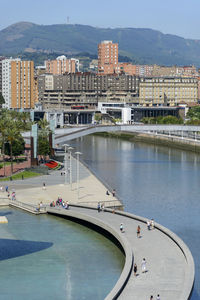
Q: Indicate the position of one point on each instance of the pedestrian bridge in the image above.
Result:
(67, 134)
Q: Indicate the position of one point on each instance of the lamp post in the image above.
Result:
(66, 145)
(70, 165)
(77, 173)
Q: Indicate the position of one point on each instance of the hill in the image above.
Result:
(145, 46)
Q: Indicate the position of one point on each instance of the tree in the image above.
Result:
(43, 124)
(17, 147)
(194, 113)
(12, 135)
(43, 145)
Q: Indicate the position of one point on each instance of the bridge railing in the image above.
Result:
(28, 207)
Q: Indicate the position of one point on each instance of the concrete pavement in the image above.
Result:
(91, 190)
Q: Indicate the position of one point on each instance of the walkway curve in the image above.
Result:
(115, 292)
(174, 279)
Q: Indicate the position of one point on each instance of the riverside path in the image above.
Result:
(169, 262)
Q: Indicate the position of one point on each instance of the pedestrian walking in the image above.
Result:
(148, 225)
(151, 297)
(152, 224)
(158, 297)
(44, 186)
(6, 188)
(135, 270)
(138, 231)
(99, 207)
(144, 265)
(113, 192)
(121, 227)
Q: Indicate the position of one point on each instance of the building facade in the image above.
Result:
(171, 91)
(86, 89)
(62, 65)
(18, 84)
(107, 57)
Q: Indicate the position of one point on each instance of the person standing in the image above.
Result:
(152, 224)
(138, 231)
(158, 297)
(135, 270)
(99, 207)
(148, 225)
(121, 227)
(113, 192)
(151, 297)
(144, 265)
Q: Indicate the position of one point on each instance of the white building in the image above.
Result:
(117, 110)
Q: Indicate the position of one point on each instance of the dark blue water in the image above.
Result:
(46, 257)
(154, 182)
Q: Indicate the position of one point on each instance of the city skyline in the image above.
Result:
(173, 17)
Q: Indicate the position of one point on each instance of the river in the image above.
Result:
(153, 181)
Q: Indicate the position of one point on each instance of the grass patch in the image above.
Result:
(24, 174)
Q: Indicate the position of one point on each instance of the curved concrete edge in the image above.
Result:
(119, 286)
(190, 272)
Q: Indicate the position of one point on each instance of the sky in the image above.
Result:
(179, 17)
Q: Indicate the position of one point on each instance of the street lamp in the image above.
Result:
(70, 165)
(77, 172)
(66, 145)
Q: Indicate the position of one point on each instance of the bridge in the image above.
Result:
(185, 131)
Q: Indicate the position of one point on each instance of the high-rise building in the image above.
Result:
(62, 65)
(18, 86)
(107, 57)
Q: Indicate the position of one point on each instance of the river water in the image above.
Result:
(153, 181)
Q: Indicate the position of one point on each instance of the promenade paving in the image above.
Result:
(91, 190)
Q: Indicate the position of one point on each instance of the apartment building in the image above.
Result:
(171, 91)
(107, 57)
(62, 65)
(18, 85)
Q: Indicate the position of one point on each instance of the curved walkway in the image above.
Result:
(169, 262)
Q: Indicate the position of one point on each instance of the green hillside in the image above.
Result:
(141, 45)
